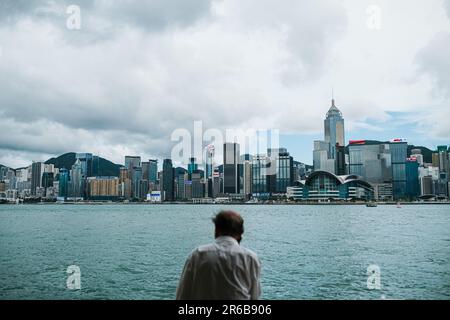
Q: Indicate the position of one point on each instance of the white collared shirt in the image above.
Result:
(221, 270)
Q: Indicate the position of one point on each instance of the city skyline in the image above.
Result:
(132, 74)
(364, 170)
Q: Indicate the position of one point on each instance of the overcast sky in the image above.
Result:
(137, 70)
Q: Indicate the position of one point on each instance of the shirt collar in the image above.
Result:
(222, 239)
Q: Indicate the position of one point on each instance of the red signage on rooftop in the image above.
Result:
(357, 142)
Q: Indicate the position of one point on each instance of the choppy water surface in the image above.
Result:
(307, 252)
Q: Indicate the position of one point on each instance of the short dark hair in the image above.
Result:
(229, 223)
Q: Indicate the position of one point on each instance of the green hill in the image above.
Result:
(101, 167)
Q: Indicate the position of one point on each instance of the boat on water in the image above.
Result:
(398, 205)
(371, 204)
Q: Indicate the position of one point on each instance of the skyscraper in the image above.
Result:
(334, 129)
(412, 178)
(231, 156)
(192, 165)
(146, 171)
(325, 155)
(153, 171)
(281, 175)
(132, 162)
(87, 164)
(399, 150)
(37, 169)
(339, 163)
(259, 174)
(76, 180)
(247, 175)
(322, 157)
(209, 161)
(372, 161)
(63, 183)
(168, 180)
(136, 182)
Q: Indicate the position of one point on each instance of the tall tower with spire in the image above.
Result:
(334, 128)
(329, 154)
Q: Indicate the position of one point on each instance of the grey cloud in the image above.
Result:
(434, 60)
(149, 15)
(447, 7)
(156, 14)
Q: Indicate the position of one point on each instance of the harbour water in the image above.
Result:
(307, 252)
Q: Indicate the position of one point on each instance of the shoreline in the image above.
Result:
(234, 203)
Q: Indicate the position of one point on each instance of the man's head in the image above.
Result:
(229, 223)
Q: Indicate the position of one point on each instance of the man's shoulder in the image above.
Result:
(212, 247)
(204, 248)
(250, 253)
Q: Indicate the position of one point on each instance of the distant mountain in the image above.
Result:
(101, 166)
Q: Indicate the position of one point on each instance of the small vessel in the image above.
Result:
(398, 205)
(371, 204)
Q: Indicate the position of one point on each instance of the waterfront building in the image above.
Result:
(322, 160)
(192, 165)
(103, 188)
(371, 161)
(181, 178)
(153, 171)
(136, 182)
(247, 177)
(37, 169)
(76, 181)
(259, 174)
(181, 175)
(197, 185)
(383, 191)
(216, 183)
(334, 129)
(399, 149)
(412, 178)
(340, 161)
(295, 193)
(168, 180)
(209, 161)
(86, 161)
(231, 155)
(132, 162)
(322, 185)
(145, 171)
(63, 179)
(47, 179)
(426, 186)
(441, 185)
(281, 170)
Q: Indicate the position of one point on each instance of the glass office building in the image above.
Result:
(259, 176)
(399, 150)
(370, 161)
(281, 170)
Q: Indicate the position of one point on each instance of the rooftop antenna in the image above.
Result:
(332, 96)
